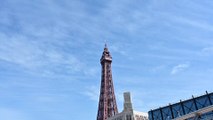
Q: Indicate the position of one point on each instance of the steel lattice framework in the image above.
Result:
(201, 106)
(107, 103)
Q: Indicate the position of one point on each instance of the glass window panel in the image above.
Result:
(150, 115)
(211, 96)
(189, 106)
(208, 116)
(177, 110)
(167, 114)
(202, 102)
(157, 115)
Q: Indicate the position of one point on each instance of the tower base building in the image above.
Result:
(128, 113)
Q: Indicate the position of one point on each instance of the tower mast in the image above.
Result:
(107, 106)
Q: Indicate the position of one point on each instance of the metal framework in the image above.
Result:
(195, 108)
(107, 103)
(197, 114)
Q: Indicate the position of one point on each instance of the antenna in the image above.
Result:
(105, 43)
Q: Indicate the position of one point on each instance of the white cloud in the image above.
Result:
(120, 48)
(91, 71)
(93, 93)
(195, 23)
(207, 51)
(18, 50)
(179, 68)
(12, 114)
(37, 56)
(158, 68)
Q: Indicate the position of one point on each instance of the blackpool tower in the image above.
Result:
(107, 106)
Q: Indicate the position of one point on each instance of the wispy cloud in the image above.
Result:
(207, 51)
(92, 92)
(12, 114)
(119, 48)
(61, 38)
(178, 68)
(192, 22)
(34, 56)
(158, 68)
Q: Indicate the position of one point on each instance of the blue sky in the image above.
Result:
(50, 50)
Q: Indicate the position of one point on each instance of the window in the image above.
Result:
(128, 117)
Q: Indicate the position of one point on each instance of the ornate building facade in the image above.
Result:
(128, 113)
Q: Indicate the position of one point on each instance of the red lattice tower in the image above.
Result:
(107, 104)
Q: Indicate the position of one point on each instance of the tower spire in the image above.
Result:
(107, 103)
(105, 45)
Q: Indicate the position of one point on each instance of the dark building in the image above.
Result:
(107, 103)
(196, 108)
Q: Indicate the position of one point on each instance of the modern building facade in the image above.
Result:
(128, 113)
(196, 108)
(107, 106)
